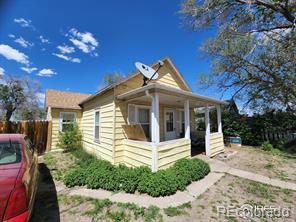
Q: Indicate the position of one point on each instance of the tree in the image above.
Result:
(17, 96)
(253, 53)
(111, 78)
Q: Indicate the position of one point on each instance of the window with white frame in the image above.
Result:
(141, 115)
(97, 125)
(67, 120)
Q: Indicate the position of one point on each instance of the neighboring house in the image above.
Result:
(164, 108)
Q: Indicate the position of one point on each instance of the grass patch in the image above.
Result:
(70, 200)
(151, 213)
(269, 166)
(175, 211)
(260, 190)
(118, 216)
(98, 206)
(137, 211)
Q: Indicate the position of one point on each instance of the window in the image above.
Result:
(140, 114)
(144, 120)
(213, 120)
(67, 121)
(97, 125)
(10, 152)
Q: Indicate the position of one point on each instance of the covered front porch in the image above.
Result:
(167, 116)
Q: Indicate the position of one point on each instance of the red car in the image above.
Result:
(18, 177)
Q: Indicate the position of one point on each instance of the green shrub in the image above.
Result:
(266, 146)
(161, 183)
(75, 177)
(71, 139)
(101, 174)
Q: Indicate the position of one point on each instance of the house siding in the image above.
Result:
(169, 152)
(216, 144)
(168, 77)
(55, 118)
(104, 148)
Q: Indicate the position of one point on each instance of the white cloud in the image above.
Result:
(11, 36)
(46, 72)
(85, 41)
(77, 60)
(68, 58)
(2, 71)
(24, 43)
(44, 40)
(28, 69)
(66, 49)
(13, 54)
(24, 22)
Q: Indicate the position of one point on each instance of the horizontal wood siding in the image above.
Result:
(171, 151)
(104, 148)
(137, 153)
(168, 77)
(55, 116)
(216, 143)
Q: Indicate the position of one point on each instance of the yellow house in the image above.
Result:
(164, 108)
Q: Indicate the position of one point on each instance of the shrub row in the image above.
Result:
(104, 175)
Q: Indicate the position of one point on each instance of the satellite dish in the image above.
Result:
(148, 72)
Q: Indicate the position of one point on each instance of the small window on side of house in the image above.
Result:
(67, 121)
(97, 126)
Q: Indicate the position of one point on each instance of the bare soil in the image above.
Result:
(264, 163)
(53, 205)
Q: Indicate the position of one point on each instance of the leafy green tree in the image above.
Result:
(253, 53)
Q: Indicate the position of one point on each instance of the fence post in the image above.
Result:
(49, 136)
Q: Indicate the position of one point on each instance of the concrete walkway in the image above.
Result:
(195, 189)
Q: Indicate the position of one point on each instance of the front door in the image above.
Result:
(169, 125)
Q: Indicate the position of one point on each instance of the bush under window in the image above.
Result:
(101, 174)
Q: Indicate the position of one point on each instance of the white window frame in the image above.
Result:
(61, 119)
(137, 107)
(97, 140)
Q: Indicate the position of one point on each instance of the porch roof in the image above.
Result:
(168, 92)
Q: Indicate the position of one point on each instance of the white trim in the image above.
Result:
(137, 115)
(219, 122)
(155, 118)
(61, 119)
(98, 109)
(208, 131)
(187, 119)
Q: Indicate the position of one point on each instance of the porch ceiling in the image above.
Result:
(168, 96)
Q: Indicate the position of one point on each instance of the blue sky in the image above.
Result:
(70, 45)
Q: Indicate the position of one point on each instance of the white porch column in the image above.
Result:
(208, 131)
(187, 119)
(155, 118)
(155, 139)
(218, 108)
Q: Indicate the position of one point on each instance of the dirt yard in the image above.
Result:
(54, 206)
(261, 162)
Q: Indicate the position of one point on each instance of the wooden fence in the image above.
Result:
(39, 132)
(288, 135)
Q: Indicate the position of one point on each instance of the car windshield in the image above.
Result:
(10, 152)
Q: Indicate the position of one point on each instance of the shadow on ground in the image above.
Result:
(46, 206)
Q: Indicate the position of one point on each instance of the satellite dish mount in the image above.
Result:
(148, 73)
